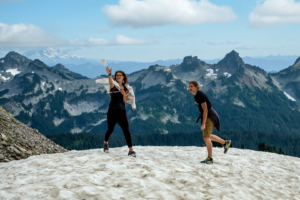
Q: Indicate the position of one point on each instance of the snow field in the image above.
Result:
(210, 72)
(156, 173)
(289, 96)
(14, 71)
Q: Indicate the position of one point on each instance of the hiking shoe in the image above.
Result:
(132, 153)
(208, 160)
(105, 148)
(226, 145)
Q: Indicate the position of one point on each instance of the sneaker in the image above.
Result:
(105, 148)
(132, 153)
(226, 145)
(208, 160)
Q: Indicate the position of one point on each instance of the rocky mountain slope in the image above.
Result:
(18, 141)
(55, 101)
(288, 80)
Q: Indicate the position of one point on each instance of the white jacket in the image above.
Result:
(130, 95)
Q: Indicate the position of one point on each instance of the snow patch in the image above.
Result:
(289, 97)
(2, 61)
(77, 130)
(99, 122)
(4, 78)
(239, 103)
(211, 72)
(172, 119)
(144, 117)
(13, 71)
(43, 83)
(227, 74)
(102, 80)
(217, 70)
(60, 89)
(47, 107)
(58, 121)
(81, 107)
(157, 173)
(32, 72)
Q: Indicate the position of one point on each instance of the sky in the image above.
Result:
(150, 30)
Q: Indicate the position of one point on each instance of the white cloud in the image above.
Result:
(246, 47)
(26, 35)
(232, 42)
(275, 12)
(30, 36)
(119, 40)
(124, 40)
(147, 13)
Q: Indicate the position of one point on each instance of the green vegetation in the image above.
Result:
(29, 81)
(248, 140)
(268, 148)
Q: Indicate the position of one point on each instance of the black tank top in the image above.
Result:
(117, 101)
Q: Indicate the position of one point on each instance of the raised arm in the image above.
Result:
(110, 80)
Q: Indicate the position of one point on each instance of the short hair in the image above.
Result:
(195, 84)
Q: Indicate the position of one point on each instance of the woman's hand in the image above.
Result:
(123, 92)
(108, 70)
(202, 127)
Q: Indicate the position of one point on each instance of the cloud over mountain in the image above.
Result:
(147, 13)
(275, 12)
(26, 35)
(30, 36)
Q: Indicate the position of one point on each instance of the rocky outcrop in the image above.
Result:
(18, 141)
(232, 59)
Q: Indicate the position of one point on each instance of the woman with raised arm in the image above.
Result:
(209, 120)
(116, 111)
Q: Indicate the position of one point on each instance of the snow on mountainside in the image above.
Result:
(54, 56)
(156, 173)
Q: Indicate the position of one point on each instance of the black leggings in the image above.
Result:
(119, 116)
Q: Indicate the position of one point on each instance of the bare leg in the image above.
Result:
(217, 139)
(208, 143)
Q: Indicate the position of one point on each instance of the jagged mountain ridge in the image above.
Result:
(288, 80)
(58, 103)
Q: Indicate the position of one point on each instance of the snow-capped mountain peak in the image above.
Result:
(53, 56)
(57, 52)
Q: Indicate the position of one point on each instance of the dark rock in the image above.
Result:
(232, 59)
(3, 144)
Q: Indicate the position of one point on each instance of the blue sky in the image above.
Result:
(149, 30)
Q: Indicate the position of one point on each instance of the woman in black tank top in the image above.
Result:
(209, 120)
(116, 111)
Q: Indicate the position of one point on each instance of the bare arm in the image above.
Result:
(205, 112)
(110, 80)
(124, 95)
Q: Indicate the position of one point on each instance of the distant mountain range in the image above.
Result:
(56, 100)
(92, 67)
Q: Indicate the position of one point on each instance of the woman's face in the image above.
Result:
(192, 88)
(119, 77)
